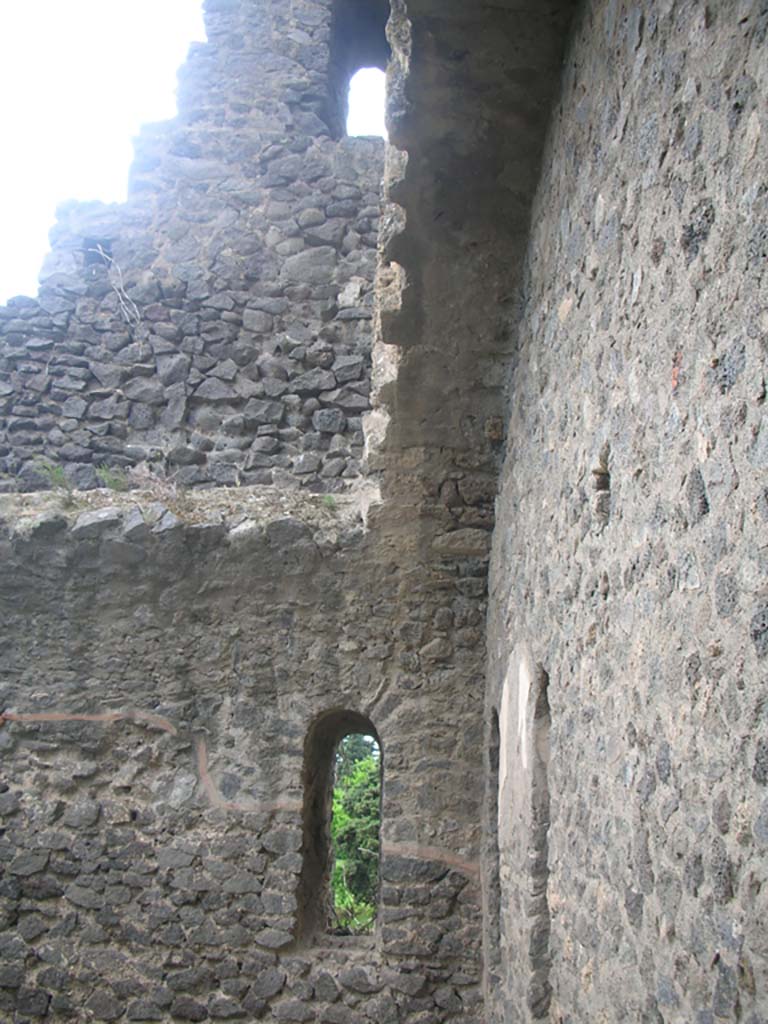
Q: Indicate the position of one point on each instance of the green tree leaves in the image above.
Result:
(355, 832)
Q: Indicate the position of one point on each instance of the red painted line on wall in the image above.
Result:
(467, 867)
(209, 787)
(105, 717)
(211, 790)
(56, 716)
(215, 799)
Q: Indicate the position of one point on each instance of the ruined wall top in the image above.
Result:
(215, 327)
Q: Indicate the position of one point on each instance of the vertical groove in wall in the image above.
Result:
(517, 921)
(539, 991)
(492, 879)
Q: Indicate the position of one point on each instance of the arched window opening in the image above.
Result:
(365, 114)
(358, 46)
(339, 885)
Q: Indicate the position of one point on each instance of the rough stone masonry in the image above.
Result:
(216, 328)
(474, 460)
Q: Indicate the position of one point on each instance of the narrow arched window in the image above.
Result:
(359, 47)
(339, 885)
(365, 109)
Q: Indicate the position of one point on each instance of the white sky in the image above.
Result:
(77, 79)
(366, 103)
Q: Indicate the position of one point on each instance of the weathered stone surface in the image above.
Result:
(26, 864)
(329, 421)
(225, 1008)
(315, 266)
(103, 1006)
(263, 412)
(92, 524)
(213, 390)
(326, 988)
(187, 1008)
(313, 381)
(359, 980)
(144, 1009)
(293, 1010)
(257, 321)
(33, 1001)
(621, 529)
(173, 369)
(144, 390)
(272, 938)
(584, 298)
(152, 349)
(269, 983)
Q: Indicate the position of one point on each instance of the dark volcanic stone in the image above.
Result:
(187, 1008)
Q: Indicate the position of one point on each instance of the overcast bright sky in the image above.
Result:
(77, 79)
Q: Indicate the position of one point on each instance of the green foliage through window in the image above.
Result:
(355, 833)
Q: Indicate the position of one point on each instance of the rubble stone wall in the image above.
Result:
(470, 93)
(163, 662)
(568, 379)
(167, 653)
(629, 560)
(216, 327)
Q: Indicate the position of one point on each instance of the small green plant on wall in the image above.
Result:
(56, 479)
(113, 479)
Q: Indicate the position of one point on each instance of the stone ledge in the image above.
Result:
(87, 515)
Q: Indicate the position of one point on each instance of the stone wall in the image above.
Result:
(163, 661)
(470, 93)
(167, 653)
(589, 306)
(216, 327)
(629, 558)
